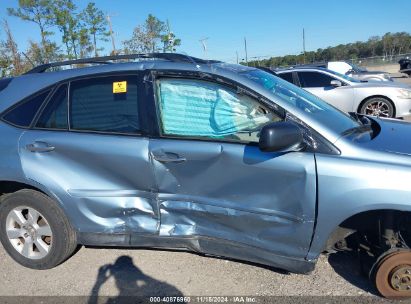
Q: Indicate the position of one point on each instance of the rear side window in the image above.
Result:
(314, 80)
(22, 115)
(4, 83)
(287, 76)
(106, 104)
(54, 115)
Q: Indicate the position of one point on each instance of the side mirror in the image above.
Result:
(281, 137)
(350, 72)
(336, 83)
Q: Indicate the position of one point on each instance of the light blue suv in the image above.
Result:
(171, 151)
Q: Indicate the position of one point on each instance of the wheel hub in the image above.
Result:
(29, 232)
(378, 108)
(393, 275)
(401, 278)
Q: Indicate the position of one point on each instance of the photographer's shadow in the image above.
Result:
(130, 282)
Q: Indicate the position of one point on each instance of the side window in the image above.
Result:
(314, 80)
(105, 104)
(196, 108)
(54, 116)
(22, 115)
(287, 76)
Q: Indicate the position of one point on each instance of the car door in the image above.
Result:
(88, 148)
(319, 84)
(214, 183)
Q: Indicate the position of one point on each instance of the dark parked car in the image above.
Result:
(172, 151)
(405, 66)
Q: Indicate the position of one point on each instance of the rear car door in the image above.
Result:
(215, 184)
(319, 84)
(88, 147)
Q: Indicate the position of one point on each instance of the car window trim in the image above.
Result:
(296, 80)
(26, 99)
(211, 78)
(44, 106)
(70, 129)
(137, 74)
(321, 72)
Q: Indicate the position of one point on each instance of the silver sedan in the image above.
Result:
(385, 99)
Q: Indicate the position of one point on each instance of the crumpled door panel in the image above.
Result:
(237, 193)
(105, 182)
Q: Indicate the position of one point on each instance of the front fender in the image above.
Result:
(347, 187)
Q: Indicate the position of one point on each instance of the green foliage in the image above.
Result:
(10, 62)
(64, 18)
(81, 31)
(39, 12)
(170, 42)
(96, 25)
(388, 46)
(146, 38)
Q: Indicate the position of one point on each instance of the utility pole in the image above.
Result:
(203, 42)
(236, 52)
(304, 43)
(111, 33)
(246, 52)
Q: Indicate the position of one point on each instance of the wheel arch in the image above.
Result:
(10, 186)
(360, 221)
(376, 96)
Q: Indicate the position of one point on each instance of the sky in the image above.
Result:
(271, 27)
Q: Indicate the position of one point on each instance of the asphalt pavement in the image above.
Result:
(115, 272)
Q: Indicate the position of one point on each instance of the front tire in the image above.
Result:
(378, 106)
(34, 230)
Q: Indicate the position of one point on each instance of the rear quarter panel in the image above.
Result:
(10, 165)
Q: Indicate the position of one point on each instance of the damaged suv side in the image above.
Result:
(172, 151)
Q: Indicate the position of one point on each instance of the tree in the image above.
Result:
(146, 37)
(96, 24)
(170, 42)
(64, 18)
(154, 29)
(388, 46)
(37, 11)
(12, 51)
(84, 44)
(139, 42)
(34, 53)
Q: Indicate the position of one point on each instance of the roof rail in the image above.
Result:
(174, 57)
(310, 65)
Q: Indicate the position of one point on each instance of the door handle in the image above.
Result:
(39, 146)
(168, 157)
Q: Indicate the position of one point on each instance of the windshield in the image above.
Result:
(326, 114)
(346, 77)
(357, 68)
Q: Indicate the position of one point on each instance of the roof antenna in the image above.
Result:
(203, 42)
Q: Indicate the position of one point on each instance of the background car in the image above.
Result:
(405, 66)
(385, 99)
(350, 69)
(357, 72)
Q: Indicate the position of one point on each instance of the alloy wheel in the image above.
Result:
(29, 232)
(378, 108)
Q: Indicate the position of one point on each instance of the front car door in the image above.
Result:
(88, 147)
(319, 84)
(216, 186)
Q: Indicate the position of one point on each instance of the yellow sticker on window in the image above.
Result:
(119, 87)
